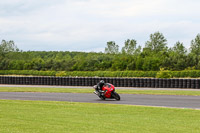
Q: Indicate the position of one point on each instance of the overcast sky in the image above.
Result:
(87, 25)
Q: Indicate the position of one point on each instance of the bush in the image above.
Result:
(61, 74)
(160, 74)
(163, 74)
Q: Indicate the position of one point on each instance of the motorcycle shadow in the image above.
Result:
(113, 100)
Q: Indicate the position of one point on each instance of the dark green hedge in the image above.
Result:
(28, 72)
(81, 73)
(174, 74)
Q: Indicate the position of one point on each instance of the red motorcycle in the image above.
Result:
(108, 91)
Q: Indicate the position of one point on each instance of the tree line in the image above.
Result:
(152, 57)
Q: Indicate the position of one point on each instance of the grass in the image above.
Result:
(67, 117)
(84, 90)
(160, 92)
(38, 89)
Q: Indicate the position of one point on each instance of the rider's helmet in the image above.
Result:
(102, 82)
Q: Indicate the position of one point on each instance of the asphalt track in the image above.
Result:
(128, 99)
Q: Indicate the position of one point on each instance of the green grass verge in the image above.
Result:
(83, 90)
(160, 92)
(67, 117)
(38, 89)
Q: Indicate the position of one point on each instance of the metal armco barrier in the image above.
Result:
(90, 81)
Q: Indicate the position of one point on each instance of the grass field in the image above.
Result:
(80, 90)
(67, 117)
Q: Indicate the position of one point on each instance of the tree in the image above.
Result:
(179, 48)
(112, 48)
(130, 47)
(156, 43)
(120, 63)
(177, 57)
(8, 46)
(151, 63)
(195, 45)
(195, 51)
(138, 50)
(138, 63)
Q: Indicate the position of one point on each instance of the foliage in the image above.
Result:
(152, 57)
(112, 48)
(81, 73)
(156, 43)
(158, 74)
(5, 48)
(130, 47)
(163, 74)
(8, 46)
(61, 74)
(195, 45)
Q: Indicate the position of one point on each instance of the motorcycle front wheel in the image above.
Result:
(116, 95)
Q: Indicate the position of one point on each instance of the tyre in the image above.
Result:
(116, 96)
(102, 97)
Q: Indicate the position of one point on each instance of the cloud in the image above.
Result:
(86, 25)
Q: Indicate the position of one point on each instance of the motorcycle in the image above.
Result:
(108, 91)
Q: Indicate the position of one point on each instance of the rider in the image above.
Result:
(99, 87)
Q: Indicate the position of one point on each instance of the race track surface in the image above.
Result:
(129, 99)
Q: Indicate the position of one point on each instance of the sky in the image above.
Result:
(87, 25)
